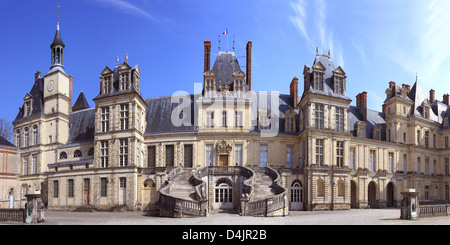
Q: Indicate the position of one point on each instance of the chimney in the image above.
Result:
(445, 98)
(37, 75)
(391, 84)
(207, 60)
(294, 92)
(70, 92)
(361, 103)
(249, 65)
(432, 98)
(408, 88)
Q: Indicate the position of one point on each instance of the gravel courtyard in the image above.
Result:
(348, 217)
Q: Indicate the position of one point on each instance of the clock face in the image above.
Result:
(51, 85)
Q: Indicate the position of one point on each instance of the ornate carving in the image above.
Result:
(223, 147)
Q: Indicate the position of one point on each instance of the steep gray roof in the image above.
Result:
(328, 77)
(37, 104)
(225, 65)
(115, 87)
(81, 103)
(81, 125)
(373, 118)
(5, 143)
(57, 40)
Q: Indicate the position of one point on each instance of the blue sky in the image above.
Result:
(374, 41)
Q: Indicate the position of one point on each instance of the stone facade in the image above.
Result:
(330, 155)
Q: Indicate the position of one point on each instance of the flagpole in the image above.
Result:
(227, 39)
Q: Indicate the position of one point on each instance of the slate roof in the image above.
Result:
(5, 143)
(373, 118)
(81, 103)
(225, 65)
(57, 40)
(115, 89)
(328, 77)
(81, 125)
(37, 104)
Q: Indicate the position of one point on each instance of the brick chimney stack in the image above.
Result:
(294, 92)
(361, 103)
(207, 61)
(445, 98)
(432, 95)
(249, 65)
(391, 84)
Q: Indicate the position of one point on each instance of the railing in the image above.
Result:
(12, 214)
(433, 210)
(269, 205)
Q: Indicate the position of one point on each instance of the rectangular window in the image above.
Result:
(170, 155)
(372, 160)
(188, 155)
(239, 120)
(70, 190)
(340, 154)
(318, 81)
(447, 192)
(446, 142)
(103, 187)
(319, 152)
(352, 158)
(290, 157)
(426, 139)
(339, 85)
(418, 165)
(238, 155)
(55, 189)
(319, 116)
(427, 166)
(104, 155)
(262, 156)
(447, 168)
(340, 119)
(151, 156)
(434, 140)
(123, 152)
(25, 166)
(391, 162)
(35, 135)
(34, 164)
(418, 137)
(427, 190)
(434, 167)
(105, 119)
(224, 119)
(405, 165)
(124, 114)
(290, 124)
(209, 119)
(209, 149)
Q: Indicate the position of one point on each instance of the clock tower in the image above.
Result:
(57, 94)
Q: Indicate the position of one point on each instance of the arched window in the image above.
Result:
(26, 136)
(18, 138)
(63, 155)
(340, 188)
(224, 191)
(77, 153)
(320, 188)
(35, 135)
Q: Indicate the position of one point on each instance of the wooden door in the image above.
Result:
(86, 191)
(223, 160)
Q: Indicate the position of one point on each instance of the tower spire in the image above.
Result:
(57, 49)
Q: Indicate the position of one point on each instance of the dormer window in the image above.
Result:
(124, 81)
(27, 108)
(263, 118)
(376, 133)
(290, 121)
(106, 84)
(209, 88)
(318, 81)
(338, 85)
(361, 130)
(426, 112)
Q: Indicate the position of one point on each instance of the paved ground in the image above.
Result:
(349, 217)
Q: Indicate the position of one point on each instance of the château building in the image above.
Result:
(227, 146)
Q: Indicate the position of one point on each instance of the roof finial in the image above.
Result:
(317, 50)
(233, 43)
(58, 14)
(126, 58)
(117, 59)
(329, 52)
(416, 77)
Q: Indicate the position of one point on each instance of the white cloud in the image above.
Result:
(126, 7)
(313, 28)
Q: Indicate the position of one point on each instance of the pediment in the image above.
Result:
(106, 71)
(125, 66)
(137, 70)
(238, 74)
(319, 66)
(28, 96)
(209, 74)
(339, 71)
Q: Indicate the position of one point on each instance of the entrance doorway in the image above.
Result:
(223, 160)
(353, 194)
(223, 194)
(296, 196)
(86, 190)
(372, 194)
(122, 191)
(390, 201)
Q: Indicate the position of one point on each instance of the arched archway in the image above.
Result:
(223, 194)
(372, 194)
(390, 198)
(296, 192)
